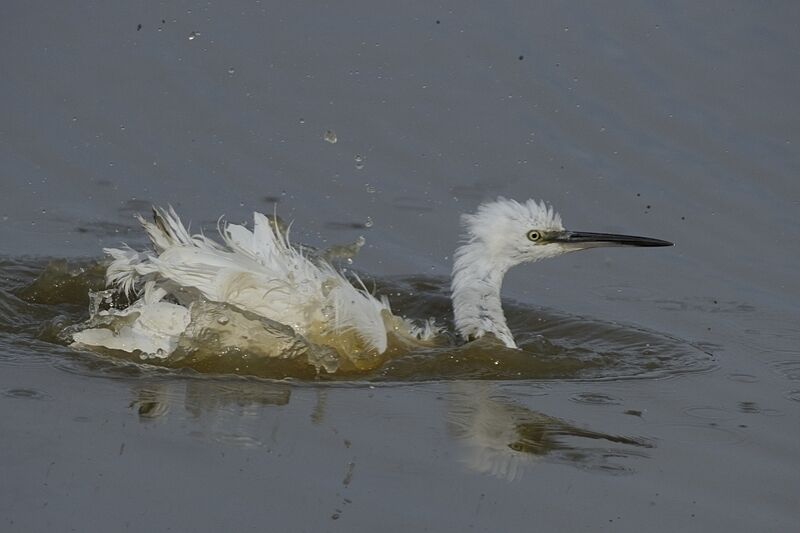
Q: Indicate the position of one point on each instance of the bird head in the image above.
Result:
(512, 232)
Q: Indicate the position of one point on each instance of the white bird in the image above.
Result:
(503, 438)
(261, 273)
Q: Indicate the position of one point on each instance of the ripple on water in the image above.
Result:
(707, 435)
(789, 369)
(743, 378)
(754, 408)
(554, 345)
(771, 334)
(25, 394)
(592, 398)
(235, 439)
(710, 413)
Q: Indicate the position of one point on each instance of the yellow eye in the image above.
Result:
(534, 236)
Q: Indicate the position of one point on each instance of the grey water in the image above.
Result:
(387, 120)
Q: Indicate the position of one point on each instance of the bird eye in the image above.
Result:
(534, 235)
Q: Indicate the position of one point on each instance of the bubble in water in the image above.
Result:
(368, 223)
(302, 121)
(194, 35)
(74, 119)
(330, 136)
(231, 71)
(359, 159)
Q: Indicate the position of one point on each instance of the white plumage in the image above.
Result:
(262, 273)
(258, 271)
(496, 241)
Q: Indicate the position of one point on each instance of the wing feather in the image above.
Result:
(258, 271)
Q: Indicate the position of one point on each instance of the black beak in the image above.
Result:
(584, 239)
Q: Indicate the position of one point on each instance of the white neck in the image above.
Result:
(476, 282)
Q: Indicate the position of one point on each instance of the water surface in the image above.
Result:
(678, 121)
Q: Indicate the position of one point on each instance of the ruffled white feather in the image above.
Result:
(257, 271)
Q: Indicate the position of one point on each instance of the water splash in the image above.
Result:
(48, 300)
(330, 137)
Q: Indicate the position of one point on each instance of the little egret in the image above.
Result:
(261, 273)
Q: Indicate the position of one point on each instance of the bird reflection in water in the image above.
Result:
(199, 396)
(500, 437)
(503, 438)
(229, 411)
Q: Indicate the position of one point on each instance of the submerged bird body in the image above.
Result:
(261, 273)
(256, 271)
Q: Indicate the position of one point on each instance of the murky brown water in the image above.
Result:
(657, 391)
(553, 345)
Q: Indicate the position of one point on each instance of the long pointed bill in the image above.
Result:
(584, 239)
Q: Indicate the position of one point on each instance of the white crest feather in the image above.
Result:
(495, 241)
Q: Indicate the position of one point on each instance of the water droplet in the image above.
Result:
(194, 35)
(231, 71)
(122, 127)
(330, 136)
(302, 121)
(74, 119)
(359, 159)
(368, 223)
